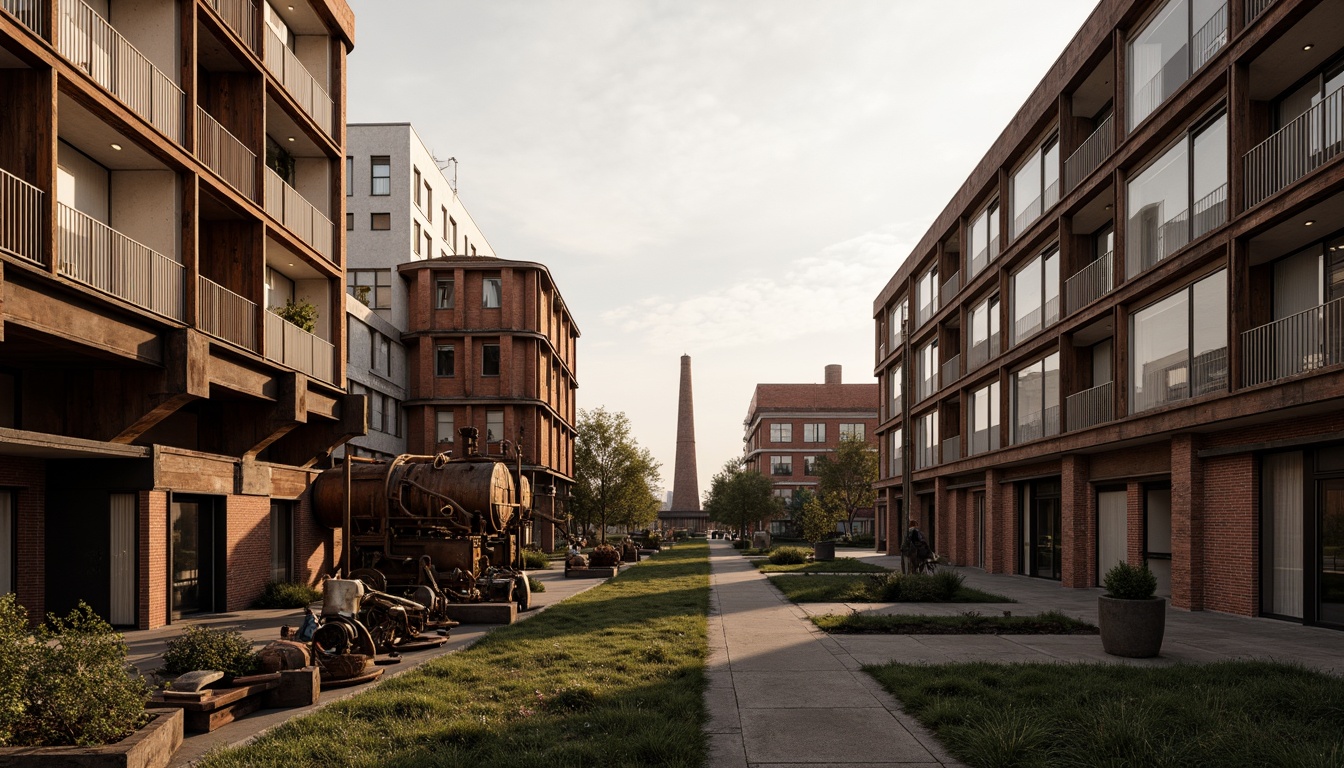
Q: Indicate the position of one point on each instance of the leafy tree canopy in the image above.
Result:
(846, 477)
(615, 480)
(738, 498)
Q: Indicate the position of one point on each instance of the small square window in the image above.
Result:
(781, 433)
(443, 294)
(489, 359)
(444, 364)
(380, 222)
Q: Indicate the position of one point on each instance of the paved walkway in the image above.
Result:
(782, 692)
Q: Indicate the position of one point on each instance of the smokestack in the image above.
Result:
(832, 374)
(685, 485)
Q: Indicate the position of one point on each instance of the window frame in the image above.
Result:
(375, 177)
(498, 360)
(816, 430)
(439, 351)
(439, 294)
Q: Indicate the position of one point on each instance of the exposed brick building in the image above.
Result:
(789, 426)
(169, 174)
(492, 345)
(1122, 338)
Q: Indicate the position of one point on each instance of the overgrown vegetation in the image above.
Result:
(301, 313)
(877, 588)
(610, 677)
(66, 684)
(534, 560)
(1229, 714)
(968, 623)
(535, 584)
(287, 594)
(208, 648)
(838, 565)
(789, 556)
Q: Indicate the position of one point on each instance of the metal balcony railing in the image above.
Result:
(1089, 155)
(1034, 426)
(952, 370)
(950, 287)
(1254, 8)
(89, 42)
(1210, 212)
(1090, 407)
(981, 352)
(1160, 384)
(226, 315)
(1311, 140)
(291, 346)
(1296, 344)
(1091, 282)
(28, 12)
(224, 154)
(951, 449)
(1153, 238)
(305, 89)
(21, 207)
(1208, 39)
(1024, 219)
(240, 16)
(92, 253)
(1050, 196)
(299, 216)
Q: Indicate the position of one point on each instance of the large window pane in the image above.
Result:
(1159, 60)
(1026, 194)
(1158, 221)
(1036, 400)
(1027, 300)
(1161, 353)
(985, 419)
(1210, 177)
(1208, 341)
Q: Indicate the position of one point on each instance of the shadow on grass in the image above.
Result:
(611, 677)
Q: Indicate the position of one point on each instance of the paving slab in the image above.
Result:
(828, 736)
(800, 690)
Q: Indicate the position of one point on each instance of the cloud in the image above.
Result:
(826, 293)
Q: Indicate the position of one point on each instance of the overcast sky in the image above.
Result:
(731, 179)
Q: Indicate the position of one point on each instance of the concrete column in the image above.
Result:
(1077, 521)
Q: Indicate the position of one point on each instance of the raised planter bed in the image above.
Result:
(218, 708)
(591, 573)
(152, 746)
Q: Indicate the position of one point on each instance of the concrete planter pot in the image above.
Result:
(150, 747)
(1132, 628)
(823, 550)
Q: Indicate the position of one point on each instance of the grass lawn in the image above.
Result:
(610, 677)
(1049, 623)
(857, 589)
(1231, 714)
(838, 565)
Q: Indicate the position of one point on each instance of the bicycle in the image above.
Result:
(928, 565)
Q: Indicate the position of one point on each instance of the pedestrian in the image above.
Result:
(915, 547)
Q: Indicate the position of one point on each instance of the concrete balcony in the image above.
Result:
(299, 216)
(226, 315)
(100, 257)
(1311, 140)
(293, 347)
(21, 207)
(1293, 345)
(224, 154)
(305, 89)
(89, 42)
(27, 12)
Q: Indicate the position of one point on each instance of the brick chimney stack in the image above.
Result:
(832, 374)
(685, 482)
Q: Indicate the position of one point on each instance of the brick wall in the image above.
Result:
(27, 479)
(248, 549)
(1231, 541)
(1074, 518)
(1187, 523)
(153, 588)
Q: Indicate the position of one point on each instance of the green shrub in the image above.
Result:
(287, 594)
(206, 648)
(948, 583)
(535, 584)
(604, 556)
(67, 684)
(535, 561)
(1130, 582)
(789, 555)
(861, 540)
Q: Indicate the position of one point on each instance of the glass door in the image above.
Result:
(1047, 522)
(1330, 552)
(196, 532)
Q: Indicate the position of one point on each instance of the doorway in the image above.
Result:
(1330, 552)
(1112, 531)
(1042, 523)
(1157, 535)
(197, 570)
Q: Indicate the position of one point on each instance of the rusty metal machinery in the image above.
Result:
(432, 529)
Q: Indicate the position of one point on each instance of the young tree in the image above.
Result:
(846, 477)
(615, 480)
(739, 498)
(817, 518)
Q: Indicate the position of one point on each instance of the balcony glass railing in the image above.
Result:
(926, 456)
(291, 346)
(1296, 344)
(92, 253)
(1030, 213)
(952, 370)
(951, 449)
(981, 352)
(224, 154)
(1034, 426)
(950, 288)
(299, 216)
(926, 387)
(240, 16)
(95, 46)
(291, 73)
(1311, 140)
(226, 315)
(1153, 237)
(21, 218)
(983, 440)
(1091, 282)
(28, 12)
(1090, 155)
(1090, 407)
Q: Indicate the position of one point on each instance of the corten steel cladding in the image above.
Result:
(421, 492)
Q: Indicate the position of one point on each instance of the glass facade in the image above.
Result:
(982, 240)
(1036, 400)
(1177, 352)
(1179, 39)
(984, 419)
(1036, 295)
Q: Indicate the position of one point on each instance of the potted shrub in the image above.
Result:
(817, 521)
(1132, 621)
